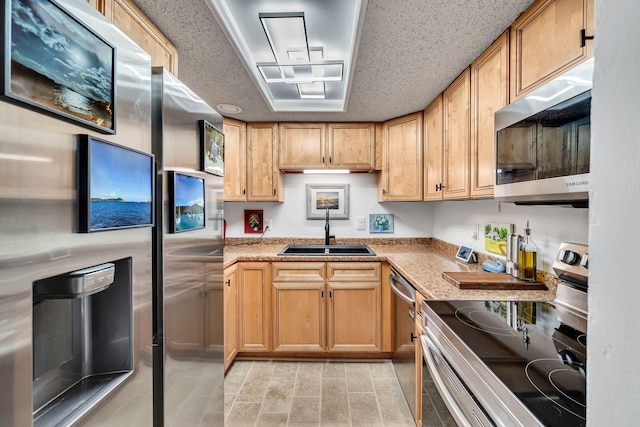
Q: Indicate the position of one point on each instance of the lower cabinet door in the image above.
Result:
(299, 317)
(354, 317)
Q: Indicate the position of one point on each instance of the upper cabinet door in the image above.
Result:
(131, 21)
(489, 93)
(456, 104)
(401, 177)
(302, 146)
(546, 40)
(235, 153)
(433, 148)
(351, 146)
(264, 180)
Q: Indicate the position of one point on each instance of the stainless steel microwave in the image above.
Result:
(543, 143)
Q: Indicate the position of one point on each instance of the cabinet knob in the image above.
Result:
(274, 191)
(330, 160)
(584, 37)
(244, 191)
(413, 337)
(323, 160)
(384, 191)
(228, 282)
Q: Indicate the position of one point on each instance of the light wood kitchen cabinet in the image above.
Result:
(546, 40)
(327, 307)
(433, 150)
(351, 146)
(401, 177)
(254, 298)
(302, 146)
(456, 104)
(327, 146)
(264, 179)
(131, 21)
(354, 318)
(299, 306)
(489, 93)
(235, 153)
(230, 315)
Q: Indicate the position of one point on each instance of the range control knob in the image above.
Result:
(585, 261)
(570, 257)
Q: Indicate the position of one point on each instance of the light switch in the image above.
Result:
(360, 224)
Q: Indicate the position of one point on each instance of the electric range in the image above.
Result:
(514, 362)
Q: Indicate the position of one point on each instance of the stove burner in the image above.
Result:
(566, 378)
(475, 318)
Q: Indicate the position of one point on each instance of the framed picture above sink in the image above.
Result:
(334, 197)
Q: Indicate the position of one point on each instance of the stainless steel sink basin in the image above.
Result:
(327, 250)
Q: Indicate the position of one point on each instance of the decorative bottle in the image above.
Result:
(527, 257)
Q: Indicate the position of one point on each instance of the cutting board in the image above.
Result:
(489, 281)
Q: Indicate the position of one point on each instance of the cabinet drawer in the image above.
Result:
(353, 271)
(298, 271)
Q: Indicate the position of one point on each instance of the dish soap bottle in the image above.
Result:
(527, 257)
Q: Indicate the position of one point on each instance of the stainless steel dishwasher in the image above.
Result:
(403, 356)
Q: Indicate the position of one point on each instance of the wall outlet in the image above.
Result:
(360, 224)
(267, 224)
(476, 232)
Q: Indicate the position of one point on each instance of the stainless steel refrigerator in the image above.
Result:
(147, 348)
(188, 260)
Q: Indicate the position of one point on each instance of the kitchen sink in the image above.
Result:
(327, 250)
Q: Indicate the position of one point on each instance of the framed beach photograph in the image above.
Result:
(63, 69)
(381, 223)
(115, 186)
(211, 149)
(186, 202)
(334, 197)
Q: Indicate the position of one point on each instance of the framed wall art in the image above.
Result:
(186, 202)
(381, 223)
(211, 149)
(334, 197)
(253, 221)
(495, 237)
(63, 69)
(115, 186)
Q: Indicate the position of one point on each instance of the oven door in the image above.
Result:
(462, 405)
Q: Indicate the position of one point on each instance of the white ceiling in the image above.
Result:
(409, 52)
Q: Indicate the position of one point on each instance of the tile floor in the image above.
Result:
(305, 393)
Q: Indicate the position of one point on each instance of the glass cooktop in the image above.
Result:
(540, 359)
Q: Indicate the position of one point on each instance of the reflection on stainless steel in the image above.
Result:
(403, 356)
(188, 347)
(39, 239)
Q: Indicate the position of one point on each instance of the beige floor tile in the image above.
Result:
(279, 395)
(393, 406)
(310, 369)
(254, 389)
(359, 378)
(229, 400)
(272, 419)
(243, 414)
(333, 370)
(285, 369)
(364, 410)
(382, 370)
(308, 386)
(335, 401)
(305, 410)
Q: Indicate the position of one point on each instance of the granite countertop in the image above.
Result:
(421, 261)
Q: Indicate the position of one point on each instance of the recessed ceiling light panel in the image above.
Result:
(284, 44)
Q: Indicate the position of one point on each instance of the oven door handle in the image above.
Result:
(402, 288)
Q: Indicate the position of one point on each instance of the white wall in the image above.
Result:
(289, 219)
(613, 389)
(454, 223)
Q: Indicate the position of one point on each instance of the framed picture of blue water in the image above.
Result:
(186, 202)
(115, 186)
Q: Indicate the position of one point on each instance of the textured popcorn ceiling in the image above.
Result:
(410, 50)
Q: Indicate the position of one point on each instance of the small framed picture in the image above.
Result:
(381, 223)
(334, 197)
(253, 221)
(495, 237)
(211, 149)
(186, 202)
